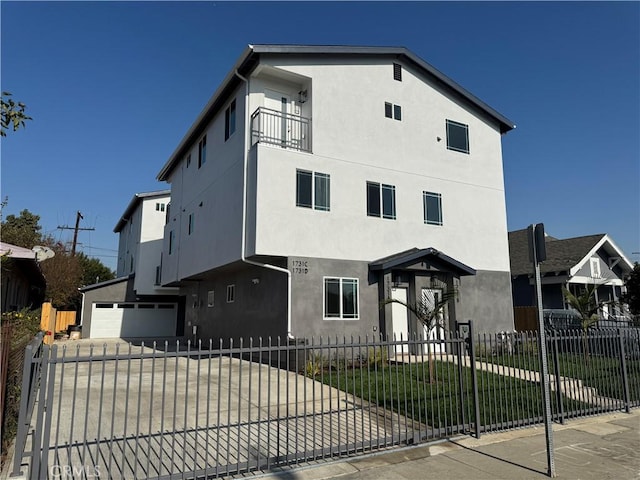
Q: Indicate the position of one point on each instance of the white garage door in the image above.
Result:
(133, 320)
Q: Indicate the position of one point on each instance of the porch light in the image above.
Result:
(302, 96)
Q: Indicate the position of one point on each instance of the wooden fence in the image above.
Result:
(525, 319)
(53, 321)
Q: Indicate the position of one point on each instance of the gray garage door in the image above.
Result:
(133, 320)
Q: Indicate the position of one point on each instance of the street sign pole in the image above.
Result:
(538, 254)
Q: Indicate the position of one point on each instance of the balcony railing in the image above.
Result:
(282, 129)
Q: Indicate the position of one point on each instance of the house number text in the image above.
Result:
(300, 267)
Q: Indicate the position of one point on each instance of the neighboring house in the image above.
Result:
(574, 263)
(319, 181)
(22, 283)
(134, 304)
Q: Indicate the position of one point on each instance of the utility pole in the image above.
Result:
(75, 232)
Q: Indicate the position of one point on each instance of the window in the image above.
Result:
(340, 298)
(170, 242)
(392, 111)
(432, 208)
(202, 151)
(166, 218)
(230, 120)
(159, 207)
(595, 267)
(188, 160)
(210, 298)
(381, 195)
(158, 274)
(457, 136)
(231, 293)
(190, 225)
(313, 190)
(397, 72)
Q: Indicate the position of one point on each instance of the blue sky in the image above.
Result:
(113, 86)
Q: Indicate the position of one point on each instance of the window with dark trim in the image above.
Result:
(202, 151)
(381, 200)
(432, 203)
(231, 293)
(313, 190)
(397, 72)
(457, 136)
(340, 298)
(190, 224)
(230, 120)
(392, 111)
(171, 240)
(188, 160)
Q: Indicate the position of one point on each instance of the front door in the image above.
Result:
(279, 124)
(400, 318)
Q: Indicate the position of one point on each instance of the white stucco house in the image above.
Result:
(135, 304)
(319, 181)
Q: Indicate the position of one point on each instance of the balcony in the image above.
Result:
(284, 130)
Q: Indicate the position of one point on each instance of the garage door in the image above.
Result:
(133, 320)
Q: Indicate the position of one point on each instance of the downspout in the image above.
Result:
(244, 207)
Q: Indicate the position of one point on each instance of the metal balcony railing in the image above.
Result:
(282, 129)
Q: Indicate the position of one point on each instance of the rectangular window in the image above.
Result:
(210, 298)
(397, 72)
(432, 208)
(190, 225)
(340, 298)
(202, 151)
(313, 190)
(231, 293)
(170, 242)
(388, 110)
(158, 275)
(230, 120)
(159, 207)
(595, 267)
(392, 111)
(188, 160)
(381, 195)
(457, 136)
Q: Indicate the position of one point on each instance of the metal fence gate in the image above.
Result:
(176, 410)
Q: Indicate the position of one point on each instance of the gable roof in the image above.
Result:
(429, 255)
(250, 58)
(137, 198)
(566, 255)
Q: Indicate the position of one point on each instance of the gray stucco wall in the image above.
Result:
(308, 298)
(259, 308)
(486, 299)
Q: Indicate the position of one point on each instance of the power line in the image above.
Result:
(75, 232)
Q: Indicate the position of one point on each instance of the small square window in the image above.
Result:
(432, 203)
(457, 136)
(397, 72)
(231, 293)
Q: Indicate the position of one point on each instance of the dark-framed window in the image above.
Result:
(171, 240)
(231, 293)
(457, 136)
(381, 200)
(432, 203)
(392, 111)
(230, 120)
(313, 190)
(341, 298)
(202, 151)
(190, 224)
(188, 160)
(397, 72)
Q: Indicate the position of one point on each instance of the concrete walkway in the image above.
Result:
(606, 447)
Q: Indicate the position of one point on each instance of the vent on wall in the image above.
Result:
(397, 72)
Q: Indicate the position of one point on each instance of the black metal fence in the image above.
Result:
(172, 410)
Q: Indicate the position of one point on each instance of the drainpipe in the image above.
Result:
(244, 207)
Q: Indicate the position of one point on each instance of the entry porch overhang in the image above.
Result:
(425, 259)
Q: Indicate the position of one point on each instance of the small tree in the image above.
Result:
(430, 315)
(587, 307)
(12, 114)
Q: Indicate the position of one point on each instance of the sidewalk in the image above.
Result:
(598, 448)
